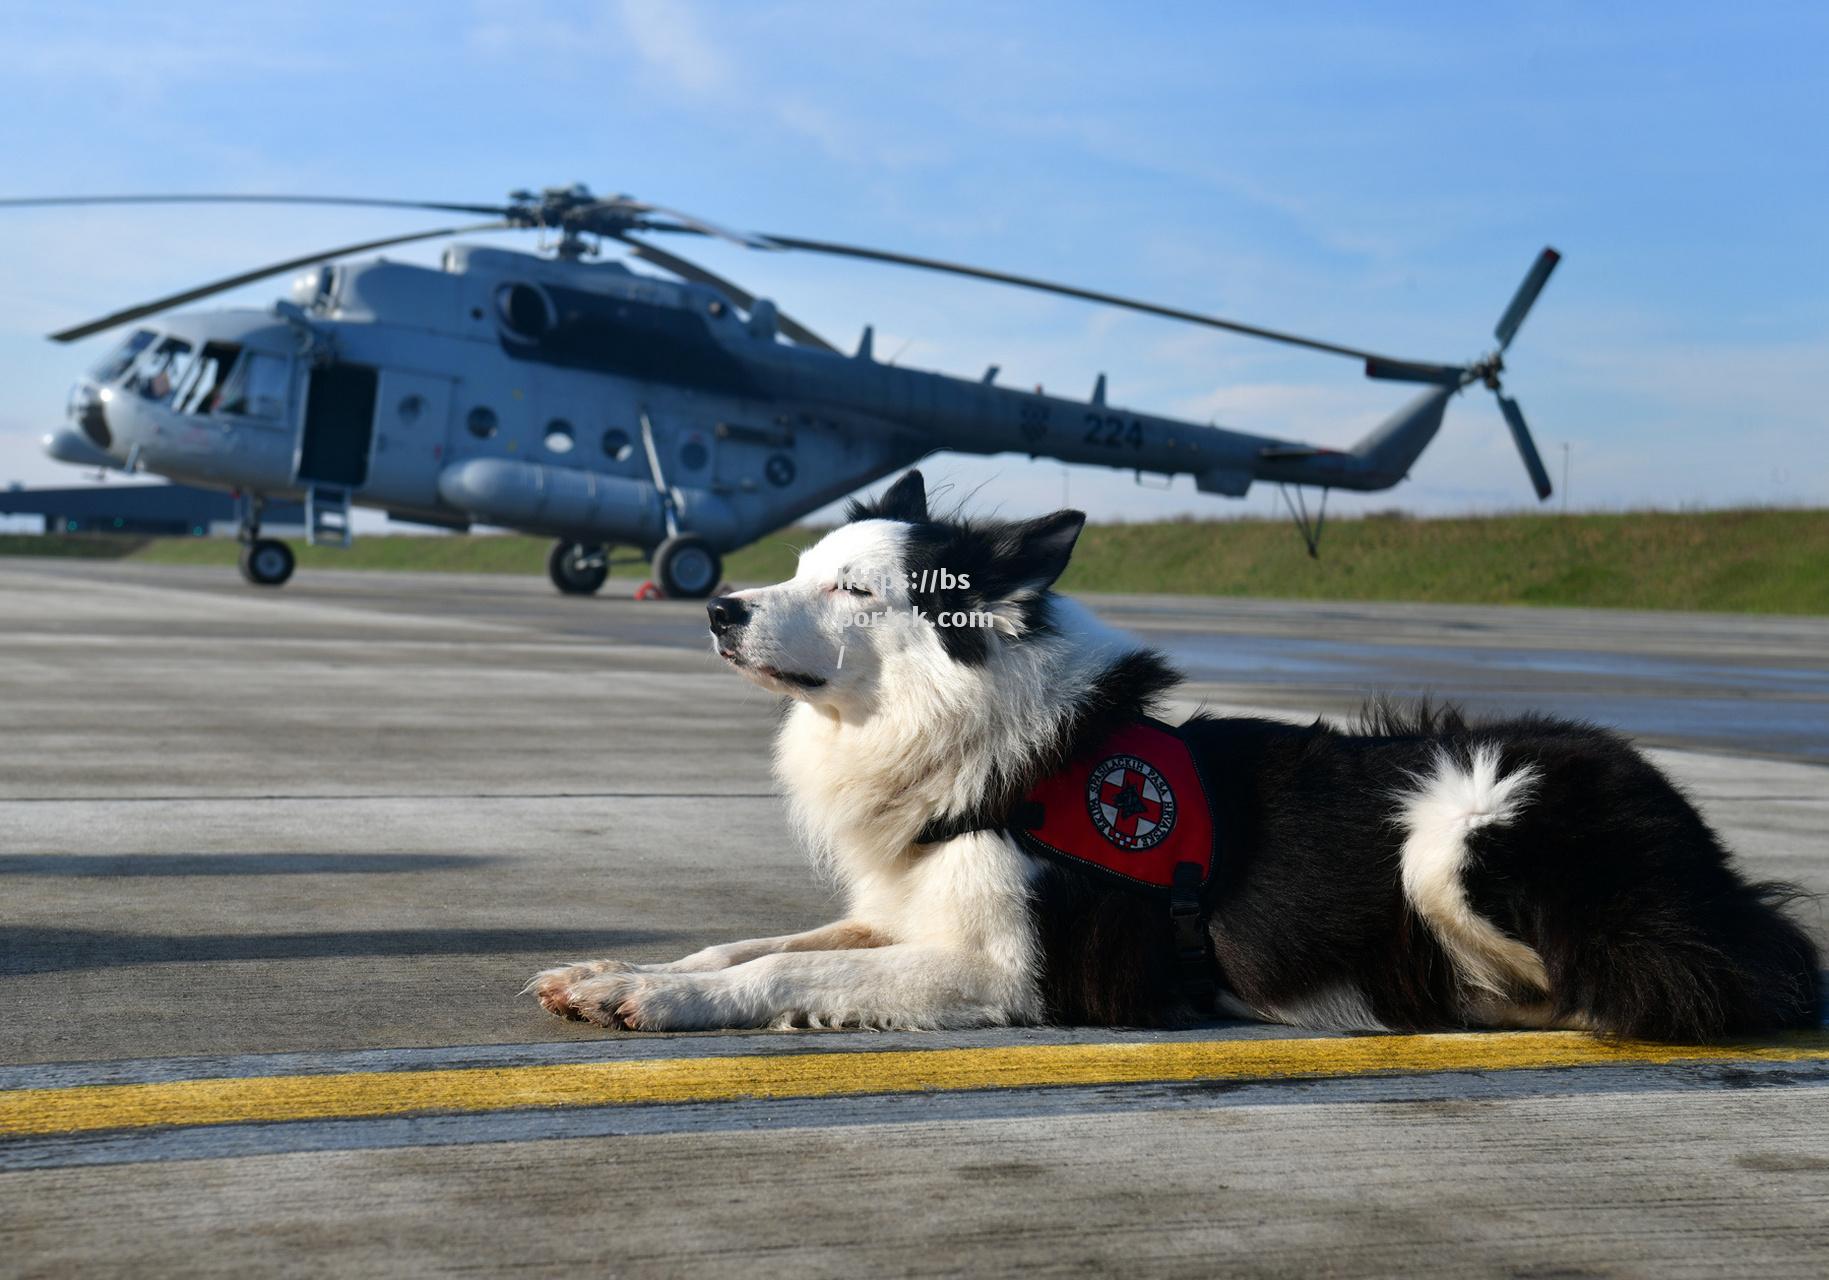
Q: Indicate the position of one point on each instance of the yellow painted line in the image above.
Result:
(367, 1094)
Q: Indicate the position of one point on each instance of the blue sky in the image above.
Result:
(1377, 175)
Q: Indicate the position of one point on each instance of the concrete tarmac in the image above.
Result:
(296, 840)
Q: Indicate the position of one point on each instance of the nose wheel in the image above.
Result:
(577, 568)
(267, 562)
(687, 568)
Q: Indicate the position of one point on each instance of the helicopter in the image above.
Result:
(681, 416)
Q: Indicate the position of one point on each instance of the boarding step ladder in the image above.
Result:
(327, 515)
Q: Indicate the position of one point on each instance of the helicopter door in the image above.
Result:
(339, 426)
(412, 414)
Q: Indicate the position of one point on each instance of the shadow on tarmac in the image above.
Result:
(101, 865)
(33, 951)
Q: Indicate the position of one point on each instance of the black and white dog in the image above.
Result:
(1411, 871)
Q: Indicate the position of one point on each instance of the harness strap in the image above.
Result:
(1026, 816)
(1194, 960)
(1195, 966)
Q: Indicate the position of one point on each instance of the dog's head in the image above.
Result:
(895, 590)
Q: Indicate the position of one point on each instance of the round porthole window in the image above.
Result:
(694, 455)
(779, 470)
(482, 422)
(524, 309)
(617, 445)
(410, 408)
(559, 436)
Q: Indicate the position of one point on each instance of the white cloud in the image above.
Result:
(670, 39)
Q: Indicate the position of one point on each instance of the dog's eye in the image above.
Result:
(860, 592)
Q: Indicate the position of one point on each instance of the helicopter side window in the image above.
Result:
(257, 387)
(559, 437)
(116, 362)
(617, 444)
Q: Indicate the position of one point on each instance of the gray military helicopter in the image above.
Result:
(608, 408)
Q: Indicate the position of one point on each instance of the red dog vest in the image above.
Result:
(1134, 806)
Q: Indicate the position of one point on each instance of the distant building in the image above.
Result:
(166, 510)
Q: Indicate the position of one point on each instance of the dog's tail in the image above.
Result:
(1562, 873)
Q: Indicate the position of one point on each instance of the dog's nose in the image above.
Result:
(727, 613)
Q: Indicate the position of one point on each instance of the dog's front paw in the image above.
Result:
(643, 1002)
(553, 987)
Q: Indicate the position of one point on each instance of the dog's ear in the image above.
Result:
(1042, 548)
(904, 500)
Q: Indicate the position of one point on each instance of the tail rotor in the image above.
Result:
(1488, 368)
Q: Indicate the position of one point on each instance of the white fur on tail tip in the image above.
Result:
(1447, 807)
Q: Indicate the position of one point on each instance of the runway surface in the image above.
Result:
(276, 864)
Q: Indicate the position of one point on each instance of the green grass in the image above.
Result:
(1753, 561)
(1756, 561)
(72, 546)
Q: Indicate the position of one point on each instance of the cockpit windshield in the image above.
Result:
(222, 378)
(115, 363)
(162, 368)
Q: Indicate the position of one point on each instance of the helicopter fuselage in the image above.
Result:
(590, 402)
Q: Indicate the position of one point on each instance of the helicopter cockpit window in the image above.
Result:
(115, 363)
(257, 387)
(159, 372)
(525, 311)
(617, 444)
(559, 438)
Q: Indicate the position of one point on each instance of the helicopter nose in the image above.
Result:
(727, 614)
(88, 411)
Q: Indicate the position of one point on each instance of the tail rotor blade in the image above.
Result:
(1521, 301)
(1527, 448)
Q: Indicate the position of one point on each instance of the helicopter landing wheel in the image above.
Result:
(687, 568)
(267, 562)
(577, 569)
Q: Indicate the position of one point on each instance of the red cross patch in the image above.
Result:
(1130, 803)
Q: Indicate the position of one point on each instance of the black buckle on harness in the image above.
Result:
(1188, 933)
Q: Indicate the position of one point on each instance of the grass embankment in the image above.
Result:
(70, 546)
(1758, 561)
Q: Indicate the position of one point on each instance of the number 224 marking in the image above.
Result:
(1113, 432)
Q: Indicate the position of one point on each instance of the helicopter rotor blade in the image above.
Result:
(31, 202)
(1521, 301)
(1439, 372)
(1527, 448)
(623, 206)
(1447, 375)
(259, 273)
(692, 271)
